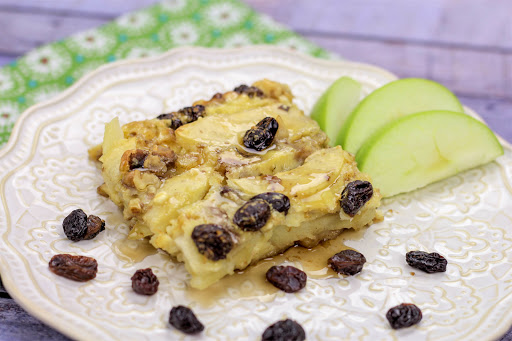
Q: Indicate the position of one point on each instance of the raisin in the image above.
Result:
(75, 225)
(286, 330)
(262, 135)
(355, 195)
(250, 91)
(278, 201)
(428, 262)
(94, 226)
(287, 278)
(284, 107)
(144, 282)
(347, 262)
(404, 315)
(253, 215)
(213, 241)
(183, 116)
(183, 319)
(175, 121)
(76, 268)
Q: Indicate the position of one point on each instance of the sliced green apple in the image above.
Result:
(394, 100)
(418, 149)
(334, 106)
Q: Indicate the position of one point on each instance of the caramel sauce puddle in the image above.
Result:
(251, 283)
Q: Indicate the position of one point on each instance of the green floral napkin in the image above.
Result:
(48, 70)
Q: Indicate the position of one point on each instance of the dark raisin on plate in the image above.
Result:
(347, 262)
(75, 225)
(404, 315)
(355, 195)
(213, 241)
(253, 215)
(76, 268)
(262, 135)
(286, 330)
(94, 226)
(428, 262)
(184, 319)
(287, 278)
(278, 201)
(145, 282)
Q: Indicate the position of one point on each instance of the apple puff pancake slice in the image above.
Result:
(229, 181)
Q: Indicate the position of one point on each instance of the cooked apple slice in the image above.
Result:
(113, 134)
(418, 149)
(334, 106)
(394, 100)
(319, 171)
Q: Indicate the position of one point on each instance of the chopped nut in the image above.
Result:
(132, 159)
(135, 206)
(154, 164)
(149, 132)
(127, 179)
(167, 155)
(144, 180)
(160, 160)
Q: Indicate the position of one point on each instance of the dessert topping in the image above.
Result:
(76, 268)
(213, 241)
(355, 195)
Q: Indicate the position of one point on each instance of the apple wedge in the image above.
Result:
(418, 149)
(392, 101)
(335, 105)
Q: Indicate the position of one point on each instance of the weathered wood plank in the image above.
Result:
(21, 32)
(6, 59)
(72, 7)
(496, 113)
(16, 324)
(466, 71)
(508, 73)
(433, 22)
(467, 22)
(3, 292)
(474, 73)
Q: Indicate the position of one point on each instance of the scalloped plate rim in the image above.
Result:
(69, 92)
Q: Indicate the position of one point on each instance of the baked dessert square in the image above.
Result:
(232, 180)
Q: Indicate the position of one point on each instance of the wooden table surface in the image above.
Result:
(464, 44)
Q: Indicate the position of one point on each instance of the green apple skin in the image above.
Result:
(418, 149)
(334, 106)
(394, 100)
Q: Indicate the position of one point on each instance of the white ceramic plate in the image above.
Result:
(46, 174)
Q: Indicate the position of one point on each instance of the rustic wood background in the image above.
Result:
(464, 44)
